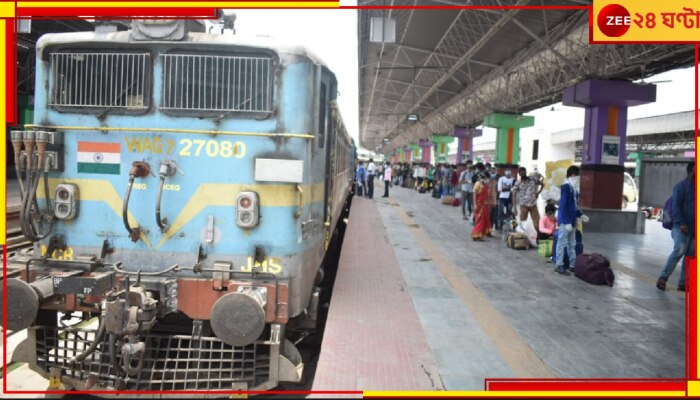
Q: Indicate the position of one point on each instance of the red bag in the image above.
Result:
(456, 202)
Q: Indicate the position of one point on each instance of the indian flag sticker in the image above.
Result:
(99, 158)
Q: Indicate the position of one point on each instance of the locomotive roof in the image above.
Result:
(124, 37)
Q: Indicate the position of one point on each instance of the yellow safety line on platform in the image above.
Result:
(170, 130)
(517, 354)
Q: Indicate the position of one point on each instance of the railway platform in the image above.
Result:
(417, 305)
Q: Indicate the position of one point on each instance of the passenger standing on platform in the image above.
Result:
(683, 232)
(568, 213)
(482, 226)
(505, 199)
(371, 171)
(465, 179)
(387, 179)
(525, 190)
(421, 174)
(493, 195)
(430, 174)
(360, 178)
(454, 179)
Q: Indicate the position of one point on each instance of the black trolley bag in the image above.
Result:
(594, 269)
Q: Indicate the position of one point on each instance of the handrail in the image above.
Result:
(170, 130)
(300, 211)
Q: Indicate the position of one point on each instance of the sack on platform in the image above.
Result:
(544, 248)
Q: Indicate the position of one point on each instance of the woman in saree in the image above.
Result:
(482, 218)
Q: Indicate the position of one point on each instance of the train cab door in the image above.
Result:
(326, 95)
(323, 147)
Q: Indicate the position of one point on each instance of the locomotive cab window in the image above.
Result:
(98, 81)
(200, 83)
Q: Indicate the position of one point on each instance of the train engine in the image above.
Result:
(180, 190)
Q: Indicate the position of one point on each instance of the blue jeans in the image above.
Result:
(467, 202)
(566, 241)
(683, 245)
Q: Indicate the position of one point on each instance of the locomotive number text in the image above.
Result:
(271, 265)
(186, 147)
(212, 148)
(66, 254)
(154, 145)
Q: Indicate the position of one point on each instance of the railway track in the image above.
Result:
(15, 241)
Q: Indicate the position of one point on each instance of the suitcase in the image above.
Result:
(456, 202)
(448, 200)
(594, 269)
(436, 192)
(518, 241)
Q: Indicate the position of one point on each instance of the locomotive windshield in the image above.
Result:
(100, 80)
(192, 84)
(216, 83)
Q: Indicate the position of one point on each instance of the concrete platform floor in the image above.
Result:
(487, 311)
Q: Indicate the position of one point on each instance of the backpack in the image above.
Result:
(421, 189)
(594, 269)
(456, 202)
(667, 216)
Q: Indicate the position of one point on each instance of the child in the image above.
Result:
(548, 224)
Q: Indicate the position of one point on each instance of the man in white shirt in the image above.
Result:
(371, 171)
(387, 179)
(421, 175)
(505, 199)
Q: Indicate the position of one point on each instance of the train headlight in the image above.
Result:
(247, 210)
(66, 201)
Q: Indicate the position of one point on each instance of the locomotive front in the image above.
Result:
(174, 186)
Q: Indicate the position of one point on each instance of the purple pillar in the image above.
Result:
(465, 140)
(605, 136)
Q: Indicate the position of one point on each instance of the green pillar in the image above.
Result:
(508, 136)
(441, 143)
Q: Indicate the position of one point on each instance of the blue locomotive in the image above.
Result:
(182, 187)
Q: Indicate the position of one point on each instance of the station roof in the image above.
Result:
(668, 123)
(453, 66)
